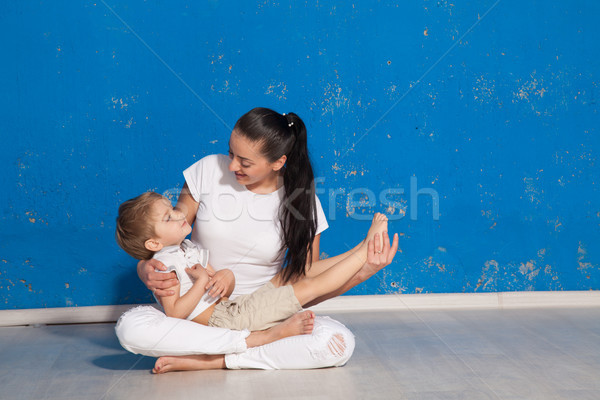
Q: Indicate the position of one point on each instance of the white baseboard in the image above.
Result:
(501, 300)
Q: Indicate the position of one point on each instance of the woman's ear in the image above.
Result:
(277, 165)
(153, 245)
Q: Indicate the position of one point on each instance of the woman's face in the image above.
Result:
(247, 162)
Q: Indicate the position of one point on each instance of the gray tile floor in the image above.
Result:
(452, 354)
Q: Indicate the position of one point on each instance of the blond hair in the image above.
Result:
(135, 225)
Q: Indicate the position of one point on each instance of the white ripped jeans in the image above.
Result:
(147, 331)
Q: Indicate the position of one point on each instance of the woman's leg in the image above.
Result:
(299, 324)
(331, 344)
(145, 330)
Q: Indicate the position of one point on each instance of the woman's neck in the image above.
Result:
(267, 185)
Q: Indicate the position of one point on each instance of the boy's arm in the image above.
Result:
(181, 307)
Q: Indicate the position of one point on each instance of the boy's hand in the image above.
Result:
(197, 273)
(158, 282)
(211, 271)
(221, 282)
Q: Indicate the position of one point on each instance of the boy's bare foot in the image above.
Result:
(188, 363)
(301, 323)
(378, 225)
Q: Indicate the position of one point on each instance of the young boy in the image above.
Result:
(148, 226)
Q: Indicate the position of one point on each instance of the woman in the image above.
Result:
(256, 211)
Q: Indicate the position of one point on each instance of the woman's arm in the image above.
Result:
(318, 266)
(160, 283)
(187, 204)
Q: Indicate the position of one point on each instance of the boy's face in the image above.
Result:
(170, 225)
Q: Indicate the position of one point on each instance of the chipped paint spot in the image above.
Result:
(484, 280)
(581, 253)
(557, 224)
(279, 89)
(484, 89)
(425, 32)
(333, 99)
(531, 192)
(529, 269)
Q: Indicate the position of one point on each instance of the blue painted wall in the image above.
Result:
(489, 107)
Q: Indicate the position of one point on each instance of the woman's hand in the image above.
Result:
(222, 283)
(158, 282)
(378, 255)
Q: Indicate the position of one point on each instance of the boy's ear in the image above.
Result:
(153, 245)
(277, 165)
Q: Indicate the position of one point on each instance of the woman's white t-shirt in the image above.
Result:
(239, 227)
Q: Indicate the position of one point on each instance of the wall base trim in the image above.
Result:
(500, 300)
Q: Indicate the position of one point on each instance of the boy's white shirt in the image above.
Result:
(178, 258)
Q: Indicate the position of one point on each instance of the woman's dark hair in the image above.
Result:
(281, 135)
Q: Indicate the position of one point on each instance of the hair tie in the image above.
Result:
(290, 124)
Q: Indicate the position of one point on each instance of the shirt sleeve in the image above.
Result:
(198, 174)
(321, 220)
(169, 262)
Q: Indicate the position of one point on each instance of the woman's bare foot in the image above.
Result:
(189, 363)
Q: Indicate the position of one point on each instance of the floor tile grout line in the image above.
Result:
(453, 352)
(121, 377)
(507, 355)
(556, 347)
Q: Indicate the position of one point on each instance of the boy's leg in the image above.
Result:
(333, 278)
(320, 266)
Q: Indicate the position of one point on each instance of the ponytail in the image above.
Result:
(286, 135)
(298, 213)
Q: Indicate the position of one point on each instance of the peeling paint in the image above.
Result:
(581, 255)
(279, 89)
(333, 99)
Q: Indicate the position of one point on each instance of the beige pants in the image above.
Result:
(256, 311)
